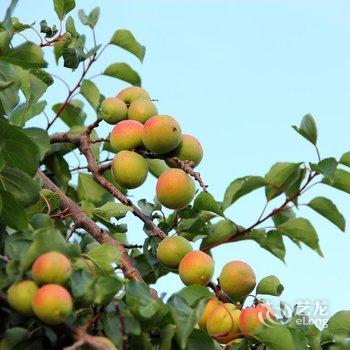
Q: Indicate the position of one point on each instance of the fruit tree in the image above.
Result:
(71, 276)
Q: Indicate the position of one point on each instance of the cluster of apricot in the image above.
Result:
(224, 321)
(44, 296)
(138, 126)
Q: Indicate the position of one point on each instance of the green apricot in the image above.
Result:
(172, 249)
(142, 110)
(20, 296)
(129, 169)
(189, 149)
(133, 93)
(113, 110)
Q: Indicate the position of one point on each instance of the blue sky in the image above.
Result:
(237, 75)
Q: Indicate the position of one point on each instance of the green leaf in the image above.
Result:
(12, 213)
(326, 208)
(90, 20)
(72, 56)
(12, 338)
(125, 39)
(193, 294)
(156, 166)
(272, 241)
(219, 232)
(337, 326)
(41, 138)
(123, 72)
(27, 56)
(345, 159)
(62, 7)
(200, 340)
(326, 167)
(341, 180)
(5, 84)
(90, 91)
(103, 256)
(302, 230)
(72, 114)
(241, 187)
(280, 177)
(9, 97)
(205, 201)
(89, 189)
(45, 77)
(283, 216)
(17, 149)
(25, 112)
(59, 169)
(47, 30)
(111, 209)
(308, 128)
(20, 185)
(270, 285)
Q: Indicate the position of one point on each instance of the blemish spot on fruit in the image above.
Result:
(174, 129)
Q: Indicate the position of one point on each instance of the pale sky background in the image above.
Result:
(237, 75)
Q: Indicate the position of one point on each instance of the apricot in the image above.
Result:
(51, 267)
(189, 149)
(161, 134)
(223, 323)
(196, 267)
(52, 304)
(129, 169)
(142, 110)
(20, 296)
(113, 110)
(172, 249)
(175, 189)
(103, 343)
(237, 279)
(209, 308)
(126, 135)
(132, 93)
(254, 317)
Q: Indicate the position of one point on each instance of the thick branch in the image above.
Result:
(82, 221)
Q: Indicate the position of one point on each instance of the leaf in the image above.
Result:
(111, 209)
(17, 149)
(280, 177)
(45, 77)
(123, 72)
(62, 7)
(9, 97)
(308, 128)
(47, 30)
(125, 39)
(341, 180)
(193, 294)
(326, 167)
(302, 230)
(337, 326)
(200, 340)
(72, 56)
(326, 208)
(103, 256)
(5, 84)
(345, 159)
(90, 20)
(90, 91)
(25, 112)
(72, 114)
(20, 185)
(272, 241)
(89, 189)
(205, 201)
(219, 232)
(270, 285)
(156, 166)
(41, 138)
(27, 56)
(241, 187)
(12, 213)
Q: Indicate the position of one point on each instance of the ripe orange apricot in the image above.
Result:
(113, 110)
(142, 110)
(223, 323)
(237, 279)
(189, 149)
(126, 135)
(52, 304)
(20, 296)
(161, 134)
(196, 267)
(51, 267)
(209, 308)
(175, 189)
(132, 93)
(254, 317)
(129, 169)
(172, 249)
